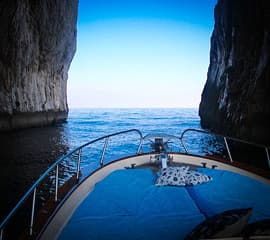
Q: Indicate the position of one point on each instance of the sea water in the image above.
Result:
(25, 154)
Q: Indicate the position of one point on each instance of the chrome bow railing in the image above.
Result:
(225, 139)
(55, 167)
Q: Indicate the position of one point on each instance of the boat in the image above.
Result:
(161, 191)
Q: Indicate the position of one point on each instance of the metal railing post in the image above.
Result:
(139, 147)
(103, 151)
(228, 150)
(184, 145)
(78, 164)
(56, 183)
(1, 234)
(33, 212)
(268, 158)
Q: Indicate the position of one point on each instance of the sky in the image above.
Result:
(141, 54)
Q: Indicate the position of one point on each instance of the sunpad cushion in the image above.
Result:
(128, 205)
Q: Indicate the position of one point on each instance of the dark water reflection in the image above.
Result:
(209, 145)
(205, 144)
(24, 156)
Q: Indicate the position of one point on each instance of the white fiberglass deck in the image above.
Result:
(128, 205)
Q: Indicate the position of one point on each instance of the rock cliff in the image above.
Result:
(37, 44)
(236, 97)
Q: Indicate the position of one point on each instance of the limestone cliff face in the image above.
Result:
(37, 44)
(236, 96)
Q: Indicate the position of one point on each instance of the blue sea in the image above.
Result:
(25, 154)
(86, 124)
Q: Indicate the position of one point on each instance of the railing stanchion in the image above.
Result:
(184, 145)
(228, 150)
(1, 234)
(33, 212)
(103, 151)
(268, 158)
(140, 146)
(56, 183)
(78, 163)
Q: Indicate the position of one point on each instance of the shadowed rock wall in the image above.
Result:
(236, 97)
(37, 44)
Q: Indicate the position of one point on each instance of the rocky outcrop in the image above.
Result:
(236, 97)
(37, 44)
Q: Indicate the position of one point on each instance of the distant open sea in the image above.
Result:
(25, 154)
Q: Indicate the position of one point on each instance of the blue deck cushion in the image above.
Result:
(227, 224)
(230, 190)
(128, 205)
